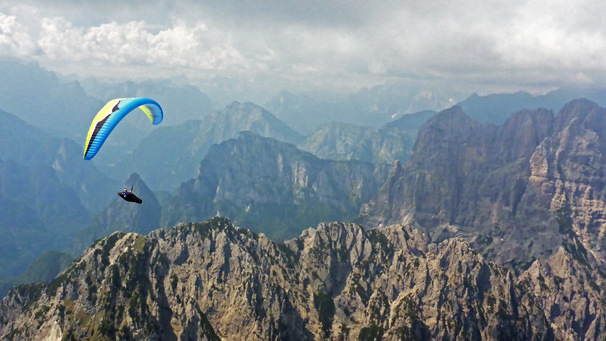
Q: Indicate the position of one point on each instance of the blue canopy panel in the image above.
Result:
(111, 114)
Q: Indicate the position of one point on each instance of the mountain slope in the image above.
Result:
(34, 147)
(211, 279)
(272, 187)
(37, 213)
(47, 193)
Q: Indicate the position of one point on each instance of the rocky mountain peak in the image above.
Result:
(516, 192)
(445, 136)
(579, 109)
(262, 182)
(213, 280)
(249, 116)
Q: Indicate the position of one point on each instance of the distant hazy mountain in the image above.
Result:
(497, 108)
(122, 215)
(272, 187)
(43, 268)
(369, 107)
(342, 141)
(39, 98)
(171, 155)
(37, 213)
(179, 102)
(47, 192)
(302, 112)
(33, 147)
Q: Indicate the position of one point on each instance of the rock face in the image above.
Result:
(212, 280)
(517, 191)
(272, 187)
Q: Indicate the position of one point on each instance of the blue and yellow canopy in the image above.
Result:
(111, 114)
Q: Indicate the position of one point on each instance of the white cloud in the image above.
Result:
(520, 43)
(131, 43)
(14, 41)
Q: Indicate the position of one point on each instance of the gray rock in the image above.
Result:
(209, 280)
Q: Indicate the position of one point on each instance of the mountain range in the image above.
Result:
(171, 155)
(487, 232)
(272, 187)
(46, 193)
(39, 98)
(496, 108)
(372, 107)
(386, 144)
(516, 192)
(212, 280)
(481, 221)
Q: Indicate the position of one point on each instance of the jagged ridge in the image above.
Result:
(212, 279)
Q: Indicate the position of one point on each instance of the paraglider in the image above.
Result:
(111, 114)
(106, 120)
(129, 196)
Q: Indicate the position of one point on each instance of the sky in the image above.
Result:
(343, 46)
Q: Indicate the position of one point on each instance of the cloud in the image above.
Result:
(521, 43)
(14, 41)
(115, 44)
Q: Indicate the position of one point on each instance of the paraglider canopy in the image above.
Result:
(111, 114)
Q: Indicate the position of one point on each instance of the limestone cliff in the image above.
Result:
(272, 187)
(517, 192)
(212, 280)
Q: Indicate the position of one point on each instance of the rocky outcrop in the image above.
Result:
(517, 192)
(212, 280)
(272, 187)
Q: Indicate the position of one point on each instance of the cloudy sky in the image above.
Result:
(476, 45)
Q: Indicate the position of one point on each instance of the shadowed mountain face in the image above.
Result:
(171, 155)
(37, 213)
(209, 280)
(517, 191)
(33, 147)
(272, 187)
(47, 192)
